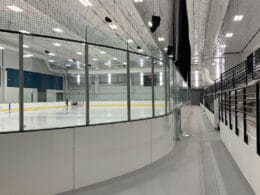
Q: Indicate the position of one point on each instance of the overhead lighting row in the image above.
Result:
(237, 18)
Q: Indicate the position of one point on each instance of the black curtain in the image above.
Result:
(181, 39)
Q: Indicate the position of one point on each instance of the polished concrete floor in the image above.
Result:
(199, 165)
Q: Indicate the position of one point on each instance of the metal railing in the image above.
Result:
(242, 103)
(240, 74)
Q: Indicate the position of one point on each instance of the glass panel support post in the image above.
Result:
(128, 85)
(153, 88)
(87, 79)
(21, 84)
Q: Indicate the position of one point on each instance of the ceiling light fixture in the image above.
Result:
(165, 49)
(223, 46)
(85, 3)
(140, 50)
(115, 58)
(2, 48)
(150, 24)
(102, 52)
(57, 29)
(129, 41)
(70, 60)
(113, 26)
(68, 65)
(160, 39)
(138, 1)
(14, 8)
(95, 59)
(51, 54)
(229, 35)
(51, 61)
(57, 44)
(238, 18)
(24, 31)
(27, 55)
(79, 53)
(26, 46)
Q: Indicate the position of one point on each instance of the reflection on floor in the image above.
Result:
(75, 116)
(199, 165)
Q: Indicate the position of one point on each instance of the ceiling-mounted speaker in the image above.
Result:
(108, 20)
(156, 21)
(170, 50)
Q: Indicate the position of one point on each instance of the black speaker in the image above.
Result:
(108, 20)
(170, 50)
(156, 21)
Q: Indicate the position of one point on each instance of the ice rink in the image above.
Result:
(47, 117)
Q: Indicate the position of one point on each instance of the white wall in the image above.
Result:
(232, 60)
(50, 162)
(244, 155)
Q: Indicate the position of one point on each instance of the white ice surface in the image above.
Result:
(63, 117)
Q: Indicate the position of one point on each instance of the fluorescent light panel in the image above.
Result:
(150, 24)
(129, 41)
(113, 26)
(27, 55)
(141, 78)
(238, 18)
(229, 35)
(138, 1)
(24, 31)
(109, 78)
(14, 8)
(196, 78)
(161, 78)
(51, 54)
(78, 79)
(57, 44)
(57, 29)
(26, 46)
(86, 3)
(160, 39)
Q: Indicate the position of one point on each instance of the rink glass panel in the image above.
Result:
(9, 82)
(54, 83)
(141, 86)
(159, 88)
(107, 85)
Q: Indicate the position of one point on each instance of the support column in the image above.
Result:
(3, 79)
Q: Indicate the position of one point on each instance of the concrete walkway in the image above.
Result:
(199, 165)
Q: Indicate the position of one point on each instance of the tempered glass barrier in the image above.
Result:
(108, 85)
(141, 86)
(68, 83)
(9, 86)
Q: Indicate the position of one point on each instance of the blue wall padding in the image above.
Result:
(34, 80)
